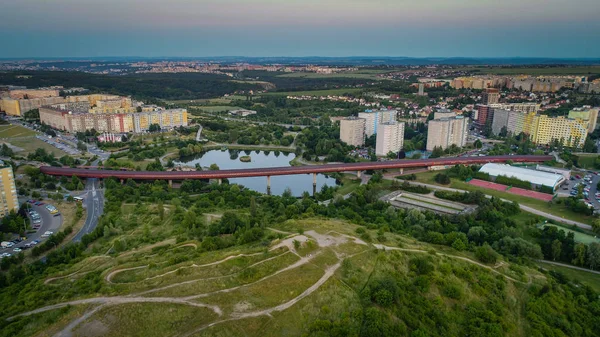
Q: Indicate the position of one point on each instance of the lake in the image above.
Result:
(229, 159)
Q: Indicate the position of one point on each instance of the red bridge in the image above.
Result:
(276, 171)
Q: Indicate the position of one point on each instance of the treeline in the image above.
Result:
(146, 87)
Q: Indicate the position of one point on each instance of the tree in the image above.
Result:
(580, 250)
(556, 248)
(486, 254)
(478, 144)
(437, 152)
(154, 128)
(596, 226)
(593, 255)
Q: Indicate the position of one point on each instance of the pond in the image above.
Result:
(230, 159)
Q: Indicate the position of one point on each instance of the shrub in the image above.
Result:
(486, 254)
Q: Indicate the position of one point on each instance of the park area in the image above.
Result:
(512, 190)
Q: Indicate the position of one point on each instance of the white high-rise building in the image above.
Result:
(376, 117)
(352, 131)
(390, 138)
(445, 132)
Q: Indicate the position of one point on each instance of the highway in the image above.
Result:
(288, 170)
(93, 201)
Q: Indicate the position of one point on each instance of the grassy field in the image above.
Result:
(31, 144)
(554, 209)
(349, 184)
(12, 131)
(316, 92)
(579, 237)
(590, 279)
(586, 161)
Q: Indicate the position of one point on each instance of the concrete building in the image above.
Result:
(484, 113)
(443, 113)
(490, 96)
(570, 132)
(352, 131)
(445, 132)
(390, 138)
(375, 117)
(421, 89)
(33, 93)
(586, 113)
(8, 198)
(536, 178)
(112, 122)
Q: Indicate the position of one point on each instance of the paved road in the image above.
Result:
(523, 207)
(49, 223)
(569, 266)
(199, 134)
(93, 201)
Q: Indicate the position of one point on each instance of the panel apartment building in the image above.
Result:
(390, 138)
(447, 131)
(352, 131)
(375, 117)
(542, 129)
(117, 122)
(8, 197)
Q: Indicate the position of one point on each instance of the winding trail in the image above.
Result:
(122, 300)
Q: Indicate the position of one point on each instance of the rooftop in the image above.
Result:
(533, 176)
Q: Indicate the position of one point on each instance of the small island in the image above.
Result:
(245, 159)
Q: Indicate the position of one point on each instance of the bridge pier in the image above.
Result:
(122, 181)
(268, 185)
(358, 173)
(402, 171)
(219, 181)
(314, 184)
(171, 183)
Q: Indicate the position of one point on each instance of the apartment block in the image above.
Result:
(445, 132)
(570, 132)
(390, 138)
(375, 117)
(586, 113)
(490, 96)
(8, 198)
(352, 131)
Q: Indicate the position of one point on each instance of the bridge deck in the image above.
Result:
(274, 171)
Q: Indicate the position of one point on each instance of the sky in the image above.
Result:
(188, 28)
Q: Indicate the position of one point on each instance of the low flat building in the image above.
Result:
(536, 178)
(242, 112)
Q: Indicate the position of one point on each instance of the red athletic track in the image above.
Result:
(277, 171)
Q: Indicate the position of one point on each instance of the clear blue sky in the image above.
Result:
(444, 28)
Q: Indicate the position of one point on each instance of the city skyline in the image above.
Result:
(464, 28)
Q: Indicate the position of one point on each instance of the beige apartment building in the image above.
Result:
(352, 131)
(445, 132)
(112, 122)
(8, 198)
(390, 138)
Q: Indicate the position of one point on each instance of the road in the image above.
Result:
(49, 223)
(569, 266)
(94, 204)
(199, 134)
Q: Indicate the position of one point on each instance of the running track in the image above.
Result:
(277, 171)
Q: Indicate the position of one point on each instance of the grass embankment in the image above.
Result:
(588, 278)
(550, 208)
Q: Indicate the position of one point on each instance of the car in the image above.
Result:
(32, 201)
(35, 242)
(16, 250)
(578, 177)
(41, 204)
(57, 214)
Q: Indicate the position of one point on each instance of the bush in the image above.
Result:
(442, 178)
(414, 188)
(486, 254)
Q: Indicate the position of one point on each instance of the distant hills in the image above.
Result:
(350, 60)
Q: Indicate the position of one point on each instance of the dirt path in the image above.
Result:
(379, 246)
(237, 316)
(112, 274)
(208, 278)
(122, 300)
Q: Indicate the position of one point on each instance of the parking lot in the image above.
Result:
(589, 180)
(46, 218)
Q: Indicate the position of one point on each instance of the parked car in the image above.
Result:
(16, 250)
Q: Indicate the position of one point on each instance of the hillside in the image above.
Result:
(154, 269)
